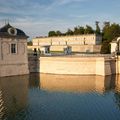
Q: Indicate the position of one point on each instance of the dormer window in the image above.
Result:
(13, 48)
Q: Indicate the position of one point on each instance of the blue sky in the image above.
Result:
(37, 17)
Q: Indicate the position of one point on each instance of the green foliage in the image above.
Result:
(69, 32)
(58, 33)
(88, 30)
(97, 31)
(29, 43)
(105, 48)
(52, 33)
(78, 30)
(110, 32)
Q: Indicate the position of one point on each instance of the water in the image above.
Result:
(59, 97)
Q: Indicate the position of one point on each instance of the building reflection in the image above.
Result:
(104, 83)
(81, 84)
(34, 80)
(71, 83)
(117, 91)
(13, 95)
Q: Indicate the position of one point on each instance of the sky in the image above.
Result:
(38, 17)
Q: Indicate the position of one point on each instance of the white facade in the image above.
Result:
(13, 53)
(88, 39)
(115, 45)
(79, 43)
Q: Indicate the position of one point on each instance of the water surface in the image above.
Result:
(59, 97)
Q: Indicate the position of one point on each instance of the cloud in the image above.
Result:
(79, 16)
(63, 2)
(22, 7)
(37, 17)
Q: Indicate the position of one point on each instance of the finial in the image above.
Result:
(8, 21)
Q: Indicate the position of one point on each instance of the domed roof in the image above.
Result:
(9, 31)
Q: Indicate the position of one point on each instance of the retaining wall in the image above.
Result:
(75, 65)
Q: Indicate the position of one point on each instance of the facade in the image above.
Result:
(76, 64)
(45, 49)
(13, 51)
(78, 43)
(115, 46)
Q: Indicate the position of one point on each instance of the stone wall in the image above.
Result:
(74, 65)
(13, 63)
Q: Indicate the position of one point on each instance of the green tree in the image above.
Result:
(58, 33)
(51, 33)
(105, 30)
(97, 31)
(81, 30)
(69, 32)
(88, 30)
(105, 48)
(110, 32)
(78, 30)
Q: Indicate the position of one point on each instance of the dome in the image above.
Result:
(9, 31)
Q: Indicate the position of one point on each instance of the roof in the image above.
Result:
(10, 31)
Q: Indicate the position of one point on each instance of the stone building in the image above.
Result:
(115, 46)
(78, 43)
(13, 51)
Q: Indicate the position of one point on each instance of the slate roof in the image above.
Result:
(4, 32)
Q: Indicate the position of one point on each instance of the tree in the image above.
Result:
(58, 33)
(88, 30)
(105, 48)
(97, 31)
(51, 33)
(81, 30)
(69, 32)
(110, 32)
(105, 29)
(78, 30)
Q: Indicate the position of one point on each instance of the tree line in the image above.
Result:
(109, 32)
(78, 30)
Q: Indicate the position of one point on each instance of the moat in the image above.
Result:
(59, 97)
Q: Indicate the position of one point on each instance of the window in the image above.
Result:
(13, 48)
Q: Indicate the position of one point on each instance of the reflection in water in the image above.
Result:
(72, 83)
(117, 91)
(59, 97)
(13, 95)
(34, 80)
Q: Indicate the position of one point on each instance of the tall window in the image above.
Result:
(13, 48)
